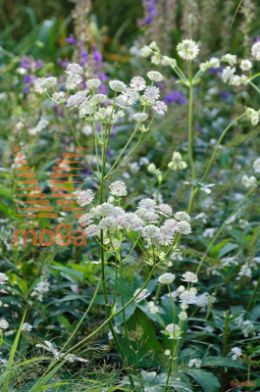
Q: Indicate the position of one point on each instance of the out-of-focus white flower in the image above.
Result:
(188, 297)
(117, 86)
(76, 99)
(255, 50)
(188, 49)
(167, 353)
(212, 63)
(256, 165)
(40, 289)
(138, 83)
(84, 197)
(177, 163)
(74, 75)
(189, 277)
(58, 97)
(182, 215)
(43, 122)
(209, 232)
(168, 61)
(3, 278)
(183, 227)
(246, 65)
(87, 130)
(248, 182)
(42, 85)
(152, 307)
(140, 117)
(151, 94)
(231, 59)
(93, 83)
(166, 278)
(195, 362)
(3, 324)
(253, 115)
(227, 74)
(173, 331)
(118, 188)
(160, 108)
(164, 209)
(236, 353)
(26, 327)
(146, 51)
(155, 76)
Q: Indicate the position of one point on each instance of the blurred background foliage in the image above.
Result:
(40, 27)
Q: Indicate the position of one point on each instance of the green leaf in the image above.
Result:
(221, 362)
(207, 380)
(227, 248)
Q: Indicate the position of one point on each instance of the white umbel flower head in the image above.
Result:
(256, 165)
(173, 331)
(155, 76)
(248, 182)
(160, 108)
(228, 74)
(140, 117)
(3, 278)
(183, 227)
(231, 59)
(3, 324)
(137, 83)
(236, 353)
(188, 49)
(26, 327)
(182, 216)
(117, 86)
(146, 51)
(189, 277)
(255, 50)
(195, 362)
(93, 83)
(151, 94)
(84, 197)
(166, 278)
(118, 188)
(152, 307)
(42, 85)
(253, 115)
(246, 65)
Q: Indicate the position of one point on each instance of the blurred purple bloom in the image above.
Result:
(216, 71)
(175, 97)
(150, 12)
(25, 62)
(83, 57)
(39, 64)
(97, 56)
(225, 94)
(63, 63)
(71, 40)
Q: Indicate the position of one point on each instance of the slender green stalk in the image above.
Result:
(190, 125)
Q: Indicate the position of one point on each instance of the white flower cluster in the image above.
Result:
(84, 197)
(3, 324)
(99, 107)
(153, 221)
(229, 74)
(3, 278)
(40, 289)
(177, 163)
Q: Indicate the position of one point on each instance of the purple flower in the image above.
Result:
(150, 12)
(63, 63)
(97, 56)
(225, 95)
(83, 57)
(216, 71)
(25, 62)
(39, 64)
(175, 97)
(71, 40)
